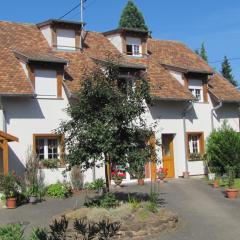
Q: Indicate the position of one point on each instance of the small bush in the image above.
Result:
(11, 232)
(58, 190)
(109, 200)
(50, 163)
(223, 149)
(39, 234)
(97, 185)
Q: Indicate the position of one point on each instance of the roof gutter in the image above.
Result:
(184, 115)
(212, 112)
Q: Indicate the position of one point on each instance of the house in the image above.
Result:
(42, 67)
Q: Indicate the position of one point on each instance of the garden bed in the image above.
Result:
(137, 220)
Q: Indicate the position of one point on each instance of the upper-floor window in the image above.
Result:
(134, 46)
(46, 83)
(66, 39)
(196, 88)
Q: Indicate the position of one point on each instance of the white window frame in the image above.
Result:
(136, 45)
(46, 153)
(195, 86)
(194, 143)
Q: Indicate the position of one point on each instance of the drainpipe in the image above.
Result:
(184, 114)
(212, 111)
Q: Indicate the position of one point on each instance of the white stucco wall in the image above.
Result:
(178, 76)
(46, 31)
(28, 116)
(116, 40)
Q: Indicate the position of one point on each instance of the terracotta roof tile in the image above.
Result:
(28, 39)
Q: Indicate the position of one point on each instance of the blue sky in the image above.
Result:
(215, 22)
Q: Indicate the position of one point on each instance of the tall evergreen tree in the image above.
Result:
(202, 52)
(132, 18)
(227, 71)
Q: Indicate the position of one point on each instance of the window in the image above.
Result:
(195, 144)
(47, 147)
(46, 83)
(134, 46)
(196, 88)
(197, 94)
(66, 39)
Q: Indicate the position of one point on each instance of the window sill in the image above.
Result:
(49, 98)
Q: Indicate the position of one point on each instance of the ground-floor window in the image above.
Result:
(48, 146)
(195, 145)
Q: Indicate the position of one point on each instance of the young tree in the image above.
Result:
(202, 53)
(132, 18)
(227, 71)
(102, 116)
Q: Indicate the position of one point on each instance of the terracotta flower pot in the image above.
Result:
(141, 182)
(11, 203)
(215, 184)
(118, 182)
(232, 193)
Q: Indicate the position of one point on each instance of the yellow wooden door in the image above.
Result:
(167, 154)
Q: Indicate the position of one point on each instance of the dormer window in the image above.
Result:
(134, 46)
(62, 35)
(132, 42)
(196, 88)
(66, 39)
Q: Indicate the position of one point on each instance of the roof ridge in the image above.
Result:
(18, 23)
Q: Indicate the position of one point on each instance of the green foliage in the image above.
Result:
(33, 183)
(102, 115)
(58, 190)
(39, 234)
(231, 176)
(50, 163)
(109, 200)
(223, 149)
(134, 202)
(11, 232)
(202, 53)
(97, 185)
(132, 18)
(11, 185)
(227, 71)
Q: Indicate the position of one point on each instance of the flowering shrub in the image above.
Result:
(58, 190)
(162, 172)
(118, 175)
(11, 185)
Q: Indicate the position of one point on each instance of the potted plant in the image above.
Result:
(162, 173)
(140, 178)
(11, 188)
(33, 193)
(232, 192)
(118, 176)
(216, 182)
